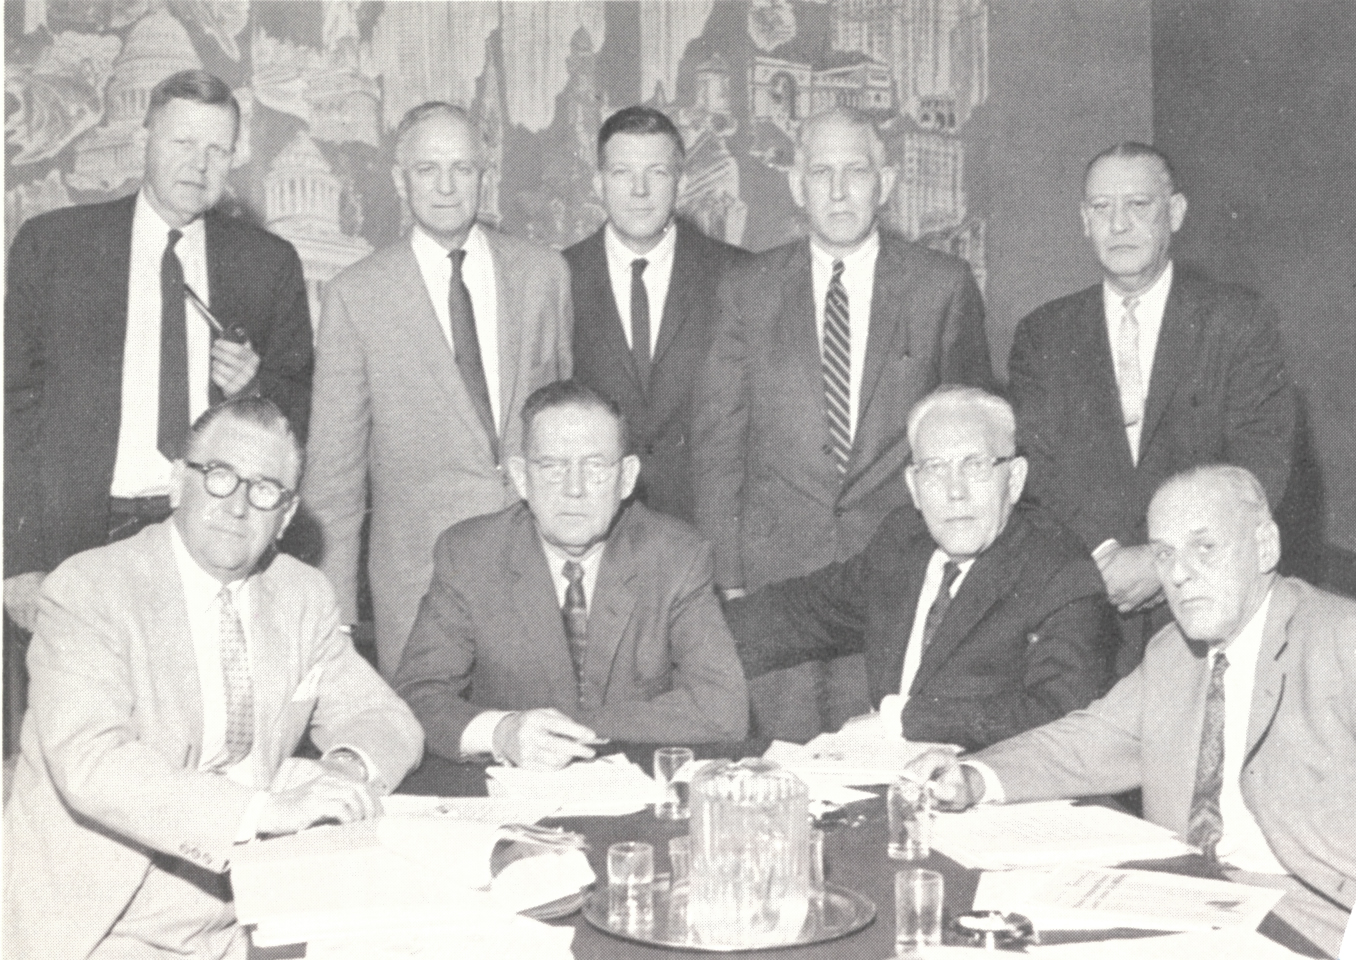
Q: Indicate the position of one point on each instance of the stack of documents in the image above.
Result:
(860, 755)
(1235, 944)
(998, 837)
(610, 786)
(1099, 898)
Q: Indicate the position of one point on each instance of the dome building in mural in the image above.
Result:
(302, 201)
(112, 154)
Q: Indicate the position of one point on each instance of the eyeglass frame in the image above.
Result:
(594, 473)
(285, 496)
(972, 469)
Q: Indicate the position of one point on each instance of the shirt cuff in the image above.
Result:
(478, 737)
(249, 823)
(892, 714)
(374, 778)
(993, 790)
(1105, 547)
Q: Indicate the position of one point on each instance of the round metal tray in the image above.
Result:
(838, 913)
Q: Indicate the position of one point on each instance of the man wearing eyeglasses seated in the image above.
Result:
(173, 676)
(567, 619)
(977, 620)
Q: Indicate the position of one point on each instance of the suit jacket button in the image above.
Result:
(839, 511)
(649, 449)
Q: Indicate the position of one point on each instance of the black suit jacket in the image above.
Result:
(1218, 392)
(660, 414)
(65, 329)
(1027, 638)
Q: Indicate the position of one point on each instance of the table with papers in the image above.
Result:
(855, 858)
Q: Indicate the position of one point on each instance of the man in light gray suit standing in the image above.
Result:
(425, 353)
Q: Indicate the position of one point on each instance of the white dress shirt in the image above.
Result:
(859, 280)
(477, 272)
(892, 704)
(658, 273)
(478, 737)
(1149, 315)
(140, 470)
(1242, 844)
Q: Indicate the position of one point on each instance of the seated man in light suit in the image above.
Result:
(1238, 724)
(173, 676)
(566, 619)
(977, 621)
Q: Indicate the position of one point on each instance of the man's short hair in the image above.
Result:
(639, 120)
(572, 393)
(197, 86)
(848, 116)
(1129, 150)
(260, 411)
(1244, 490)
(417, 115)
(952, 397)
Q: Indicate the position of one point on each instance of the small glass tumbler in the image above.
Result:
(680, 861)
(910, 809)
(630, 886)
(671, 800)
(918, 910)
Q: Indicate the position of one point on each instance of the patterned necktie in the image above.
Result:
(640, 321)
(1131, 376)
(575, 612)
(937, 612)
(837, 364)
(173, 417)
(239, 686)
(1206, 825)
(466, 343)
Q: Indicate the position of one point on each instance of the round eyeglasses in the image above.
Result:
(221, 480)
(595, 470)
(937, 471)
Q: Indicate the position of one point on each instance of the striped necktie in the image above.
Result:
(1205, 825)
(837, 363)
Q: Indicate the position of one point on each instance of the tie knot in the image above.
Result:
(174, 237)
(574, 573)
(838, 269)
(1130, 304)
(226, 599)
(638, 266)
(1221, 664)
(950, 571)
(456, 256)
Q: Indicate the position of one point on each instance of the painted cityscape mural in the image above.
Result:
(322, 85)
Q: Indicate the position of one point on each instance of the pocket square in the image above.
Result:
(309, 686)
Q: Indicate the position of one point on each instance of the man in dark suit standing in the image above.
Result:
(570, 617)
(821, 348)
(110, 351)
(977, 620)
(645, 300)
(1153, 370)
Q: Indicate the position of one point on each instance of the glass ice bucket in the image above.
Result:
(750, 878)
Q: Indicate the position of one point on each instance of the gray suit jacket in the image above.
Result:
(660, 664)
(393, 418)
(108, 775)
(1301, 754)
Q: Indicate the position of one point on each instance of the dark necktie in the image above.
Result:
(640, 321)
(174, 418)
(575, 613)
(239, 685)
(466, 343)
(937, 612)
(837, 362)
(1206, 825)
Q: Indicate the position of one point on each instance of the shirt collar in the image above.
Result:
(200, 587)
(145, 216)
(428, 249)
(556, 558)
(1152, 301)
(863, 255)
(618, 253)
(1247, 646)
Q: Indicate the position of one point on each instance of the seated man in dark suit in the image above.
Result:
(1238, 723)
(976, 621)
(566, 619)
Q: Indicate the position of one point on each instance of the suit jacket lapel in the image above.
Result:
(1268, 688)
(614, 598)
(596, 287)
(1175, 354)
(508, 279)
(796, 329)
(914, 564)
(1103, 388)
(685, 280)
(887, 336)
(169, 642)
(533, 594)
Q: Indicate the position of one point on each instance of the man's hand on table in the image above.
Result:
(956, 786)
(22, 593)
(543, 739)
(331, 796)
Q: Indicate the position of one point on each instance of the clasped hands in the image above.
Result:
(334, 789)
(1131, 580)
(955, 786)
(543, 739)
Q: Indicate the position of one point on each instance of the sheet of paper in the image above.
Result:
(517, 937)
(859, 756)
(1092, 898)
(495, 811)
(1234, 944)
(610, 786)
(1006, 837)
